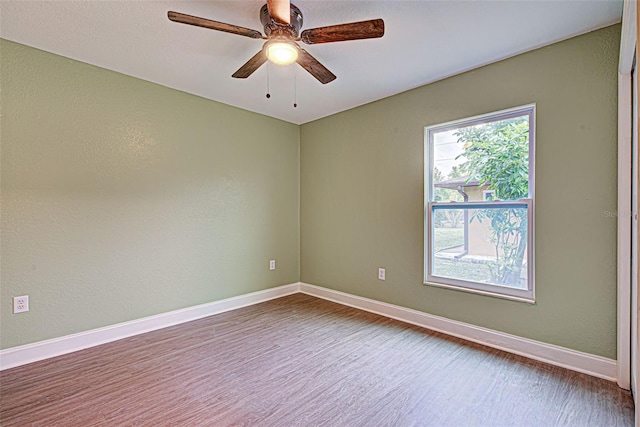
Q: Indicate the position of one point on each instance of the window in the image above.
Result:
(479, 204)
(488, 195)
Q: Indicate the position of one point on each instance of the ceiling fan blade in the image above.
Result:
(337, 33)
(250, 66)
(213, 25)
(315, 68)
(280, 10)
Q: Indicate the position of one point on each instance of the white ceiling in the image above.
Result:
(424, 42)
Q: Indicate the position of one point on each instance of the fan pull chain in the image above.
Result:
(268, 94)
(295, 88)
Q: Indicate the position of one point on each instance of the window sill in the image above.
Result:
(483, 292)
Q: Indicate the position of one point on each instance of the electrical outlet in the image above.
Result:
(381, 274)
(272, 264)
(21, 304)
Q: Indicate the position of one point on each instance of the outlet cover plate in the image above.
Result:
(21, 304)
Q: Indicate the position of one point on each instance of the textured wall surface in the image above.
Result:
(122, 199)
(362, 193)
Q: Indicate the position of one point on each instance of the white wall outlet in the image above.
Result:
(381, 274)
(21, 304)
(272, 264)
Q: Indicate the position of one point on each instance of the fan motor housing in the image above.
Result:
(273, 28)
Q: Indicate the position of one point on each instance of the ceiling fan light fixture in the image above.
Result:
(281, 52)
(282, 33)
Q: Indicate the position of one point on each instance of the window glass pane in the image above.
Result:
(485, 245)
(487, 160)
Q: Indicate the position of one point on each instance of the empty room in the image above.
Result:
(320, 213)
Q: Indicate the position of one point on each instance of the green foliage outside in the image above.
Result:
(497, 153)
(448, 218)
(446, 238)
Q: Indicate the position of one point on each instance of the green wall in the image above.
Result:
(362, 193)
(122, 199)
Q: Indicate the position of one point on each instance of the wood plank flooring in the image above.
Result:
(302, 361)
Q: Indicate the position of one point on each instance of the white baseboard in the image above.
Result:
(21, 355)
(555, 355)
(596, 366)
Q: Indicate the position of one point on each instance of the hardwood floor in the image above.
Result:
(302, 361)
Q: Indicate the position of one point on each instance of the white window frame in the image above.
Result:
(524, 295)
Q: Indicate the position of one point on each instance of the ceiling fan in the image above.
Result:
(282, 22)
